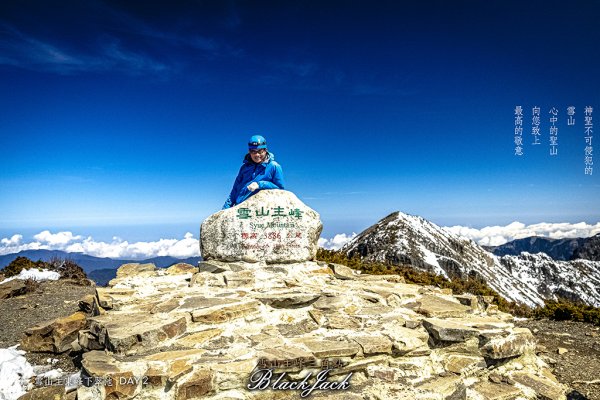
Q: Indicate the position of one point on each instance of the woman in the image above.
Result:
(258, 171)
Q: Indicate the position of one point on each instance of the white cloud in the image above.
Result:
(15, 240)
(117, 248)
(498, 235)
(55, 239)
(188, 246)
(336, 242)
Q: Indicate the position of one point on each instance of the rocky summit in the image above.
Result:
(273, 226)
(217, 330)
(259, 319)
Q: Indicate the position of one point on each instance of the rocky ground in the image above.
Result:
(52, 299)
(572, 349)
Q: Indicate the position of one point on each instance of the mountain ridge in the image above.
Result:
(558, 249)
(90, 263)
(405, 239)
(99, 269)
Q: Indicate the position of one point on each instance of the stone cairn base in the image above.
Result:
(205, 332)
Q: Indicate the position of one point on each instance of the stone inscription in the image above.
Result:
(265, 228)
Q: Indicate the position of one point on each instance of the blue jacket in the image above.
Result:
(267, 174)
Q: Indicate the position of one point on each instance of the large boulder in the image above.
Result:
(54, 336)
(273, 226)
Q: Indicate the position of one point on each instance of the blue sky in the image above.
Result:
(131, 118)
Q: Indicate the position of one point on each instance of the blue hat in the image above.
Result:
(257, 142)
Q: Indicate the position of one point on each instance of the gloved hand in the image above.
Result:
(252, 187)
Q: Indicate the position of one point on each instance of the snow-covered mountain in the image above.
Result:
(577, 280)
(411, 240)
(558, 249)
(589, 250)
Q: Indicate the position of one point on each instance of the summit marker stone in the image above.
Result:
(273, 226)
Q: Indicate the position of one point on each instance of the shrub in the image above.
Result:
(562, 310)
(67, 269)
(19, 264)
(472, 284)
(31, 285)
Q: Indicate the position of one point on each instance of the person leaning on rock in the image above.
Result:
(258, 171)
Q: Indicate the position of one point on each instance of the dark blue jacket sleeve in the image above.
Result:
(234, 191)
(276, 181)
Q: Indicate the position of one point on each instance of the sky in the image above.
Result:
(128, 121)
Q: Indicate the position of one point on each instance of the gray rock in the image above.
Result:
(272, 226)
(108, 298)
(88, 341)
(181, 268)
(225, 312)
(448, 387)
(497, 391)
(53, 392)
(373, 344)
(468, 300)
(435, 306)
(207, 279)
(331, 302)
(131, 331)
(343, 272)
(89, 305)
(330, 348)
(98, 364)
(133, 269)
(238, 279)
(405, 340)
(54, 336)
(213, 266)
(195, 385)
(288, 299)
(299, 328)
(459, 363)
(448, 331)
(507, 344)
(543, 387)
(13, 288)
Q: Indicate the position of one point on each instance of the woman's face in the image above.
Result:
(258, 156)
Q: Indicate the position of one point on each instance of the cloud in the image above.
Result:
(498, 235)
(337, 242)
(188, 246)
(15, 240)
(117, 248)
(116, 56)
(55, 239)
(28, 52)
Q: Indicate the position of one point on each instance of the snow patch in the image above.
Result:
(35, 274)
(15, 373)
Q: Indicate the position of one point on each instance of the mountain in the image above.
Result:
(103, 276)
(575, 280)
(99, 269)
(88, 263)
(411, 240)
(558, 249)
(589, 249)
